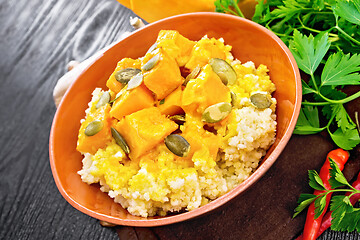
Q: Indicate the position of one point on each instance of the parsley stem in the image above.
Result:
(305, 27)
(314, 82)
(236, 6)
(329, 123)
(316, 103)
(347, 35)
(353, 190)
(228, 10)
(341, 101)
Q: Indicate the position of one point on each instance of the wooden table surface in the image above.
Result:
(37, 40)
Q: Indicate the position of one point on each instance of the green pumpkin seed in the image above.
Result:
(103, 100)
(177, 145)
(216, 112)
(194, 73)
(120, 140)
(93, 128)
(261, 100)
(152, 48)
(151, 63)
(233, 98)
(178, 118)
(124, 75)
(135, 81)
(224, 70)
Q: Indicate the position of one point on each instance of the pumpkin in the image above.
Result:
(153, 10)
(175, 45)
(145, 129)
(206, 90)
(164, 77)
(131, 101)
(172, 104)
(112, 83)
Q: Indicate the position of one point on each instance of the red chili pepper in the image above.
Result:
(312, 225)
(326, 222)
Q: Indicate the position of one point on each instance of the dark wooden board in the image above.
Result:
(37, 40)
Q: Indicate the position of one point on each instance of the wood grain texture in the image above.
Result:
(38, 38)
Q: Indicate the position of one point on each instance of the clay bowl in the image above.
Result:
(250, 41)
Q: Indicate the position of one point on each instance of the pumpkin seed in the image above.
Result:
(178, 118)
(224, 70)
(120, 140)
(151, 63)
(194, 73)
(93, 128)
(177, 145)
(135, 81)
(117, 96)
(216, 112)
(152, 48)
(103, 100)
(233, 98)
(124, 75)
(261, 100)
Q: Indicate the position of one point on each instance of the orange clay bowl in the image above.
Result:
(250, 41)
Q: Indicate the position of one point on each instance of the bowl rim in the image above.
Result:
(145, 222)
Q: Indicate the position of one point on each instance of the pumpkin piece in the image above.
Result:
(131, 101)
(198, 138)
(112, 83)
(172, 103)
(162, 9)
(91, 144)
(207, 89)
(207, 140)
(176, 45)
(145, 129)
(204, 50)
(164, 77)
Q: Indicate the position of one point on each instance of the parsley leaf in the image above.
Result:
(309, 51)
(308, 121)
(262, 12)
(315, 181)
(337, 179)
(304, 201)
(350, 10)
(306, 89)
(347, 139)
(342, 117)
(345, 216)
(341, 70)
(320, 204)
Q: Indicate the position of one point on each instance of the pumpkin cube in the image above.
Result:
(131, 101)
(164, 77)
(176, 45)
(145, 129)
(91, 144)
(172, 103)
(204, 50)
(112, 83)
(207, 89)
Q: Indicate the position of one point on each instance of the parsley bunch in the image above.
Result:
(339, 70)
(331, 59)
(345, 217)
